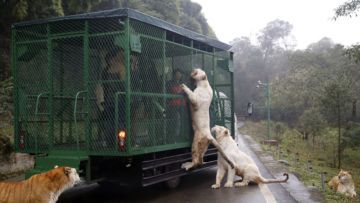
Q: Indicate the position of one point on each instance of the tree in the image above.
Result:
(351, 136)
(334, 100)
(349, 8)
(260, 62)
(324, 45)
(249, 67)
(180, 12)
(271, 36)
(311, 122)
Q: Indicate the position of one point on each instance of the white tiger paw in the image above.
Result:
(183, 86)
(240, 184)
(187, 165)
(229, 184)
(215, 186)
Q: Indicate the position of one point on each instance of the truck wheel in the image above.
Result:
(109, 187)
(172, 183)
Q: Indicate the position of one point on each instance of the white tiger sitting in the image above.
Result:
(244, 165)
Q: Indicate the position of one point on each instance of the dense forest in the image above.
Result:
(314, 91)
(184, 13)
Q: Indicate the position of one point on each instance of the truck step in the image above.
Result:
(179, 158)
(152, 175)
(45, 163)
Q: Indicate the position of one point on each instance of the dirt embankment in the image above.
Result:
(11, 164)
(17, 164)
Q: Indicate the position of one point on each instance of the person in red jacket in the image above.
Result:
(176, 106)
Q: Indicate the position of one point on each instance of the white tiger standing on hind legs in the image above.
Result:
(245, 167)
(200, 100)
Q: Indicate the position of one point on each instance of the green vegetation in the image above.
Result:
(6, 128)
(184, 13)
(311, 89)
(322, 157)
(180, 12)
(314, 98)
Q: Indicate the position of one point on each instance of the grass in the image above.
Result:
(298, 152)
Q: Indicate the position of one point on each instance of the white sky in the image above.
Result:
(311, 19)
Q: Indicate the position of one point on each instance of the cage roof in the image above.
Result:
(133, 14)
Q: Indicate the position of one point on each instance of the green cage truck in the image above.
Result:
(94, 91)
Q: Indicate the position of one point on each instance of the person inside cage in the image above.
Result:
(176, 106)
(113, 79)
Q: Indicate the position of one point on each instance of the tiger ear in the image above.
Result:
(67, 170)
(56, 166)
(226, 132)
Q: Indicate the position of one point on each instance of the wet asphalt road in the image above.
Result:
(194, 187)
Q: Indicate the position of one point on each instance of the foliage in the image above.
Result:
(6, 112)
(311, 122)
(349, 8)
(351, 136)
(279, 129)
(249, 69)
(181, 12)
(336, 95)
(310, 89)
(321, 158)
(353, 52)
(273, 34)
(5, 146)
(259, 62)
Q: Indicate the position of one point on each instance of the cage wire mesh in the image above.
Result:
(33, 78)
(78, 85)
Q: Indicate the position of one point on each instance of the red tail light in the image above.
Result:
(122, 139)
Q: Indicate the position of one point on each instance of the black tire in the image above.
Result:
(172, 183)
(110, 187)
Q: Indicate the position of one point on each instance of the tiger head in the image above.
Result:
(198, 75)
(344, 176)
(220, 132)
(67, 174)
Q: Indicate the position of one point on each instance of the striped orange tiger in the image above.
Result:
(42, 188)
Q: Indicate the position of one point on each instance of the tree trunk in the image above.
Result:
(313, 141)
(353, 113)
(339, 128)
(334, 156)
(305, 136)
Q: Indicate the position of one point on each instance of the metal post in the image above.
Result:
(128, 85)
(164, 85)
(86, 83)
(50, 89)
(323, 178)
(267, 94)
(233, 130)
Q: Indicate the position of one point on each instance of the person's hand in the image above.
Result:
(100, 105)
(99, 93)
